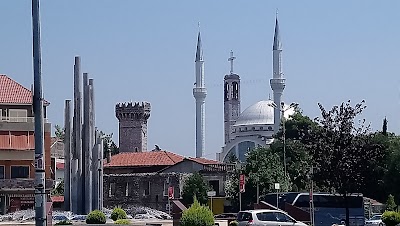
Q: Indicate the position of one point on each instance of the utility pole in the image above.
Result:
(284, 140)
(40, 181)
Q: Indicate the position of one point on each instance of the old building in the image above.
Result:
(143, 178)
(17, 147)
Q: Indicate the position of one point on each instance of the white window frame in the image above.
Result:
(149, 190)
(21, 115)
(29, 172)
(165, 190)
(1, 115)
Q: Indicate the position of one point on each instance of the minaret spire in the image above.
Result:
(277, 40)
(200, 93)
(277, 82)
(199, 51)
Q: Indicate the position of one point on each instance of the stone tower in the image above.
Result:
(277, 82)
(231, 100)
(132, 119)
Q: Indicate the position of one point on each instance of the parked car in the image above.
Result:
(81, 218)
(266, 218)
(375, 220)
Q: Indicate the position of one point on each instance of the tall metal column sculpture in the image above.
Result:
(40, 180)
(67, 156)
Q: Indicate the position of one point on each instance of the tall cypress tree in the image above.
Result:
(384, 126)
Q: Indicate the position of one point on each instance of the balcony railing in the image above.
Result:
(218, 168)
(19, 119)
(22, 183)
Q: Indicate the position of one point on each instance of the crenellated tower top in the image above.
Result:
(133, 111)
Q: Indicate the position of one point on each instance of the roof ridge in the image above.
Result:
(167, 153)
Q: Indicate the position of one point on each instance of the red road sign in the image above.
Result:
(241, 183)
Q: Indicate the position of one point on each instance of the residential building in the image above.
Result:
(143, 178)
(17, 147)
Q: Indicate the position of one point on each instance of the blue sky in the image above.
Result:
(144, 50)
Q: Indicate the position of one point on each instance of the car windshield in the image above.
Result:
(376, 217)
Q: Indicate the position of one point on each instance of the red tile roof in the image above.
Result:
(60, 165)
(204, 161)
(11, 92)
(151, 158)
(17, 140)
(57, 198)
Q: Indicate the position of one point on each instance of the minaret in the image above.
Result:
(231, 100)
(200, 93)
(277, 82)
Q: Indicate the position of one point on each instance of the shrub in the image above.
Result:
(234, 223)
(197, 215)
(64, 222)
(391, 218)
(123, 221)
(118, 214)
(96, 217)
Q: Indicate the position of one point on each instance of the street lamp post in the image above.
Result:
(283, 121)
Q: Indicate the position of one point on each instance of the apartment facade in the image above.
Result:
(17, 147)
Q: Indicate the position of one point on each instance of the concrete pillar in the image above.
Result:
(87, 149)
(76, 162)
(67, 156)
(101, 171)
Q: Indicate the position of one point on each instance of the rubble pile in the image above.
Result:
(135, 212)
(22, 215)
(141, 212)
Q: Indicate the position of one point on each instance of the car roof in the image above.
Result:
(261, 210)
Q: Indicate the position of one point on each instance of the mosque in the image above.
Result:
(256, 125)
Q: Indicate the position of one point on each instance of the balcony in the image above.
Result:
(21, 184)
(222, 168)
(21, 124)
(19, 119)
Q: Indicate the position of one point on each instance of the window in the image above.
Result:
(244, 216)
(266, 216)
(2, 176)
(127, 189)
(19, 172)
(18, 115)
(165, 190)
(146, 188)
(111, 190)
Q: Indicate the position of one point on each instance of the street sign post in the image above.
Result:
(211, 194)
(242, 184)
(277, 187)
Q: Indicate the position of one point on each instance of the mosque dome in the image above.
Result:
(261, 113)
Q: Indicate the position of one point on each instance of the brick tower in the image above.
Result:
(132, 119)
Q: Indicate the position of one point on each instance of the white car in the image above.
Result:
(375, 220)
(266, 217)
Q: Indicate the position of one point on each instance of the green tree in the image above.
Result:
(342, 151)
(262, 165)
(195, 186)
(390, 204)
(197, 215)
(384, 126)
(109, 144)
(59, 132)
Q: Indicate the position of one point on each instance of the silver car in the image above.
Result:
(266, 217)
(376, 220)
